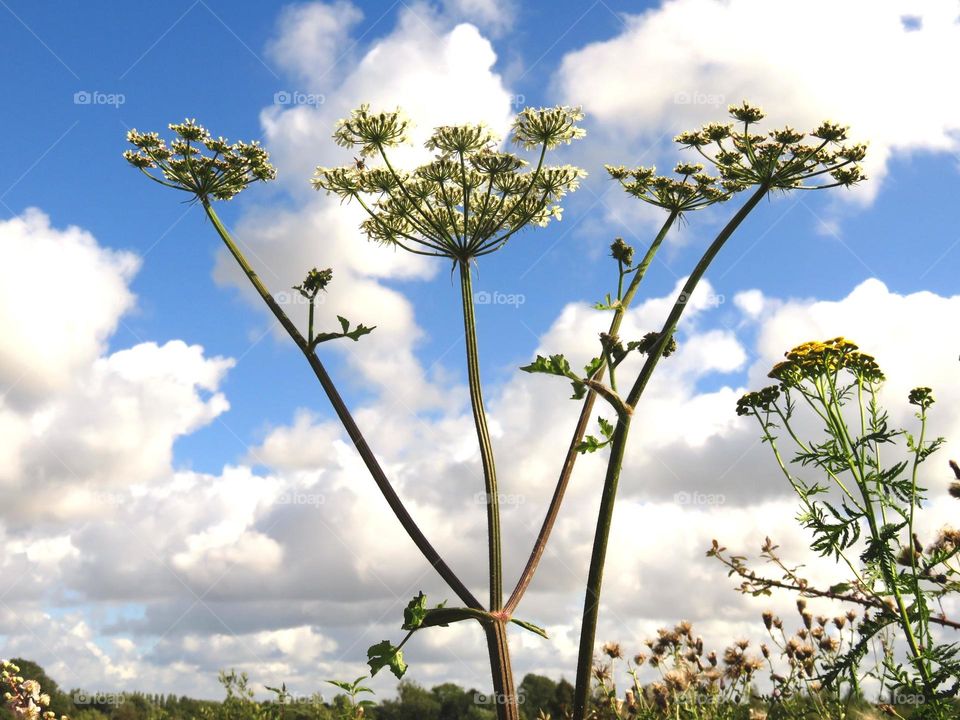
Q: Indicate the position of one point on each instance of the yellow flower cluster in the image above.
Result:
(810, 361)
(814, 359)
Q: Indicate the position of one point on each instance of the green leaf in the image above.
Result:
(553, 365)
(579, 390)
(385, 654)
(557, 365)
(531, 627)
(354, 334)
(591, 367)
(609, 304)
(606, 428)
(415, 612)
(590, 444)
(359, 331)
(840, 587)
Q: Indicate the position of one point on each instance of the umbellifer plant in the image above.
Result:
(467, 202)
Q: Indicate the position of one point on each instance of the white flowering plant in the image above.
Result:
(467, 202)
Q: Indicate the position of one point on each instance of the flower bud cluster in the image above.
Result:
(783, 158)
(470, 198)
(198, 163)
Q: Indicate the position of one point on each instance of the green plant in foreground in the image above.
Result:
(877, 500)
(467, 202)
(354, 689)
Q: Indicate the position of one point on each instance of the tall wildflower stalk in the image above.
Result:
(464, 204)
(783, 160)
(467, 202)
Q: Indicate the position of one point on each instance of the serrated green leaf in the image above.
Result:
(606, 428)
(385, 654)
(354, 334)
(553, 365)
(415, 612)
(359, 331)
(579, 390)
(591, 367)
(590, 444)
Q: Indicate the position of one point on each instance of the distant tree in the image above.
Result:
(412, 703)
(562, 699)
(537, 692)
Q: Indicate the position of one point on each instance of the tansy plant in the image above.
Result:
(465, 203)
(865, 497)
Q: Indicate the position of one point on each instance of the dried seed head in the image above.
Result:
(612, 650)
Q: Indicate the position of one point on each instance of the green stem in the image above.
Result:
(483, 437)
(598, 556)
(369, 459)
(536, 554)
(840, 431)
(505, 694)
(591, 602)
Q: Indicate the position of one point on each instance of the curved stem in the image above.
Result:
(536, 553)
(598, 556)
(483, 437)
(389, 494)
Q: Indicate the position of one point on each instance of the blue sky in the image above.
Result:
(219, 62)
(208, 60)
